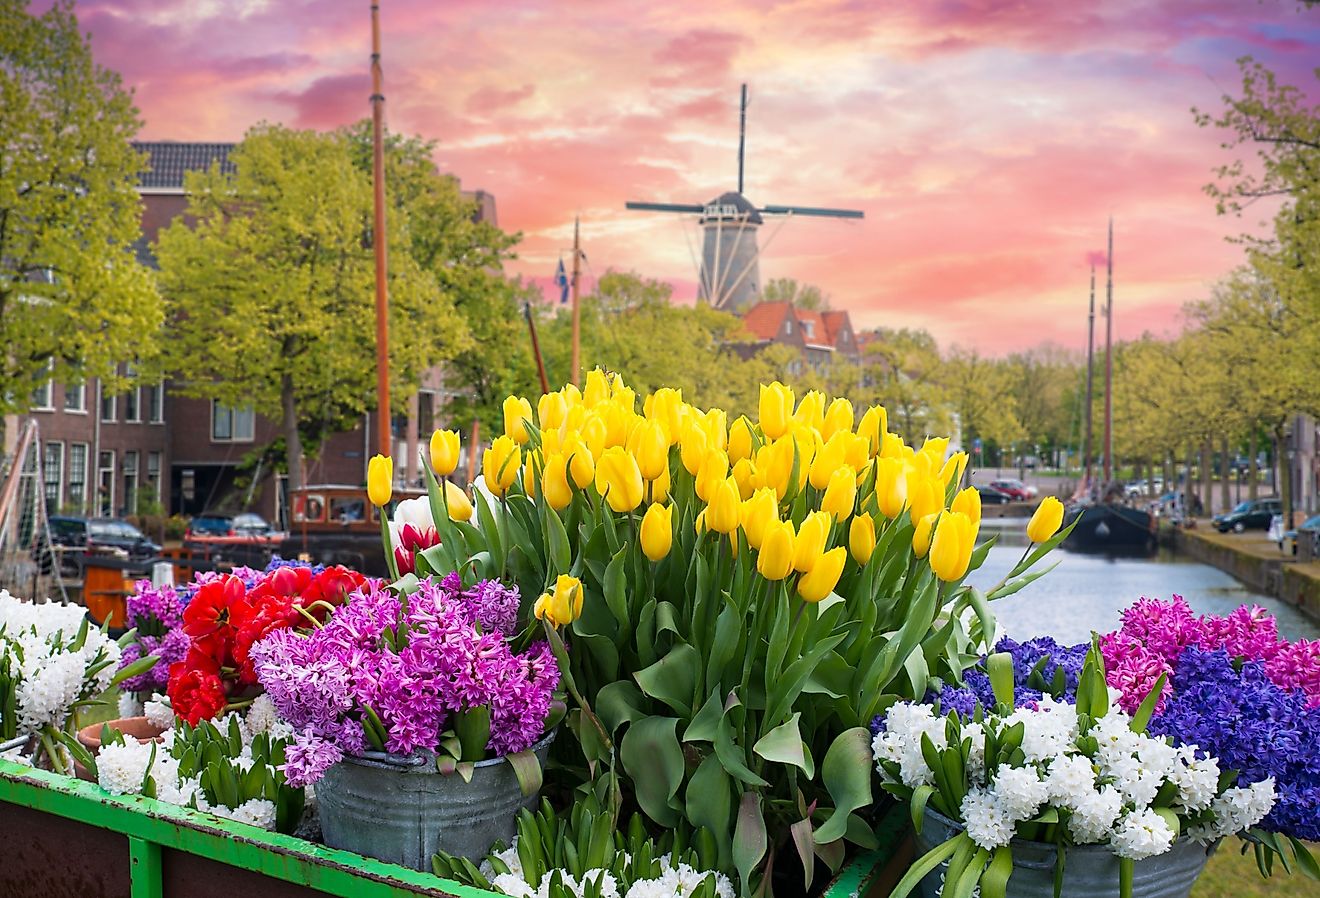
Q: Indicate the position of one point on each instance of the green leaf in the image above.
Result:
(846, 772)
(1000, 668)
(1141, 719)
(705, 725)
(749, 839)
(709, 800)
(527, 767)
(473, 729)
(653, 758)
(994, 882)
(801, 832)
(926, 864)
(673, 679)
(784, 745)
(920, 797)
(618, 703)
(732, 754)
(561, 555)
(136, 668)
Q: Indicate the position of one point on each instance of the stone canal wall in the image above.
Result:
(1255, 561)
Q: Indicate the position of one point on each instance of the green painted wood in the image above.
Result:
(144, 861)
(328, 870)
(855, 878)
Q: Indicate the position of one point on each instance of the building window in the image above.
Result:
(153, 473)
(156, 403)
(788, 326)
(809, 328)
(109, 406)
(133, 405)
(75, 397)
(425, 412)
(43, 398)
(77, 495)
(105, 484)
(53, 475)
(131, 480)
(231, 425)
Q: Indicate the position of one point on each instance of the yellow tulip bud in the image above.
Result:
(823, 576)
(856, 452)
(841, 493)
(1046, 520)
(890, 487)
(572, 396)
(664, 407)
(872, 428)
(623, 394)
(951, 546)
(953, 469)
(892, 446)
(657, 531)
(811, 539)
(757, 513)
(458, 503)
(659, 488)
(722, 512)
(693, 446)
(618, 421)
(551, 410)
(444, 452)
(563, 604)
(500, 464)
(861, 538)
(714, 468)
(581, 464)
(649, 445)
(832, 456)
(838, 417)
(619, 480)
(594, 433)
(554, 482)
(717, 429)
(774, 561)
(811, 410)
(968, 501)
(776, 409)
(517, 412)
(921, 538)
(935, 447)
(380, 480)
(924, 494)
(700, 523)
(552, 442)
(529, 475)
(740, 439)
(597, 389)
(744, 473)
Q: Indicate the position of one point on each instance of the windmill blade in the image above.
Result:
(808, 210)
(665, 207)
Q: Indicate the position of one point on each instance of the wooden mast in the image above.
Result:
(1090, 377)
(1109, 358)
(383, 441)
(575, 372)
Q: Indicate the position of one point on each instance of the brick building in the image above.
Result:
(821, 336)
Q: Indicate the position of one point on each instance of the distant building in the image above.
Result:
(821, 336)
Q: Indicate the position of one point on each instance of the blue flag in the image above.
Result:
(561, 280)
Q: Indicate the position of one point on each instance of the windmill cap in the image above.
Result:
(731, 205)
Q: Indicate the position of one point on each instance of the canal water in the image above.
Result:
(1086, 593)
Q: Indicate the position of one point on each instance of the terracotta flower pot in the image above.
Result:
(140, 728)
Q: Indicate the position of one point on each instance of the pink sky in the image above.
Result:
(986, 140)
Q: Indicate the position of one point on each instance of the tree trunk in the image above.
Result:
(1151, 492)
(1169, 485)
(1207, 480)
(1283, 479)
(1253, 469)
(1225, 474)
(293, 452)
(1188, 483)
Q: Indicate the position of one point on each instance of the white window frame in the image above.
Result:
(133, 410)
(114, 477)
(156, 414)
(114, 406)
(81, 407)
(219, 410)
(160, 457)
(57, 480)
(78, 500)
(47, 392)
(132, 472)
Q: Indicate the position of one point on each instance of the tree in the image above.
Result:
(903, 368)
(74, 300)
(270, 288)
(803, 296)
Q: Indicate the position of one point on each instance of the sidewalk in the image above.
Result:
(1255, 560)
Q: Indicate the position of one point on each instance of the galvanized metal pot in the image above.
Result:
(1090, 871)
(401, 809)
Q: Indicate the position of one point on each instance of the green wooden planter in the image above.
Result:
(64, 837)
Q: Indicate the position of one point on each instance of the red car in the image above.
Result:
(1015, 488)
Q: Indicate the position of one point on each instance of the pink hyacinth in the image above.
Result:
(1297, 666)
(1132, 669)
(1247, 632)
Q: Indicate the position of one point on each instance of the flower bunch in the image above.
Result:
(396, 674)
(229, 613)
(155, 614)
(1083, 774)
(1040, 667)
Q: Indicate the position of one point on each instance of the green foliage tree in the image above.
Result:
(904, 370)
(74, 300)
(804, 296)
(269, 288)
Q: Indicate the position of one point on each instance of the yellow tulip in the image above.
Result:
(774, 561)
(554, 482)
(551, 410)
(618, 423)
(530, 486)
(744, 473)
(716, 424)
(552, 441)
(458, 503)
(623, 394)
(1046, 520)
(951, 546)
(380, 480)
(581, 464)
(968, 501)
(757, 513)
(659, 488)
(657, 531)
(572, 396)
(619, 480)
(811, 539)
(935, 447)
(700, 523)
(921, 538)
(776, 409)
(517, 412)
(892, 446)
(740, 439)
(953, 469)
(924, 494)
(500, 464)
(563, 604)
(722, 512)
(824, 575)
(444, 452)
(649, 445)
(872, 428)
(838, 417)
(693, 446)
(841, 494)
(832, 456)
(714, 468)
(811, 410)
(890, 487)
(861, 538)
(664, 406)
(597, 389)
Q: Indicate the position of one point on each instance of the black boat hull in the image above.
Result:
(1110, 530)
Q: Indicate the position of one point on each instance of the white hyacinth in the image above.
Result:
(158, 711)
(988, 823)
(254, 811)
(1020, 791)
(1238, 809)
(1141, 834)
(1094, 814)
(122, 769)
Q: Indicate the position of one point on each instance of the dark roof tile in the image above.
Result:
(169, 160)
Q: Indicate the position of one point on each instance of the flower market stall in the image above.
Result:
(652, 652)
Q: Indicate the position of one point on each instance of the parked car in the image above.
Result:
(80, 537)
(1311, 524)
(239, 525)
(1014, 488)
(1138, 488)
(1253, 514)
(992, 496)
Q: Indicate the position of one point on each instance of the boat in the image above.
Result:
(335, 524)
(1104, 523)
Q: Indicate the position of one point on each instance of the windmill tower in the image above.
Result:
(730, 271)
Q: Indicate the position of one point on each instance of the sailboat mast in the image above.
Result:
(383, 434)
(742, 135)
(1109, 357)
(575, 372)
(1090, 378)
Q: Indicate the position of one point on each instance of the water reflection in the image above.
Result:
(1086, 593)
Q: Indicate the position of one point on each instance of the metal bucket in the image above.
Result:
(16, 742)
(1090, 871)
(402, 810)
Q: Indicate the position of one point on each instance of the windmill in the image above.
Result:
(729, 277)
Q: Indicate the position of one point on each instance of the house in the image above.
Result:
(821, 336)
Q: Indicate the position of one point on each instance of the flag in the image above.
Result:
(561, 281)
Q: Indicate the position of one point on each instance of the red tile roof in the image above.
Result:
(834, 324)
(765, 319)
